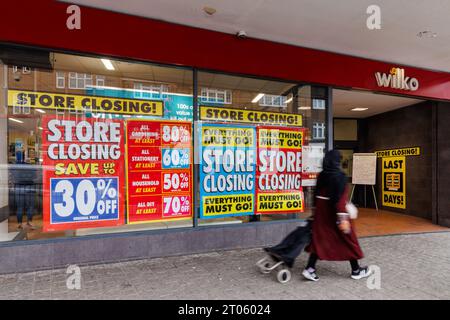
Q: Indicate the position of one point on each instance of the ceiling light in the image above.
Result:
(40, 110)
(427, 34)
(108, 64)
(304, 108)
(258, 97)
(359, 109)
(15, 120)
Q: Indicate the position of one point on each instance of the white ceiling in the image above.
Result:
(123, 69)
(149, 72)
(338, 26)
(344, 100)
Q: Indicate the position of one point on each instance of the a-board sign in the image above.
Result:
(364, 168)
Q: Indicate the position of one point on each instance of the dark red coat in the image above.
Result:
(328, 242)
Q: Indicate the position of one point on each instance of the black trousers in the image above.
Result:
(313, 260)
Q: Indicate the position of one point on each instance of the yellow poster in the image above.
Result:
(250, 116)
(413, 151)
(280, 139)
(394, 182)
(280, 202)
(220, 206)
(56, 101)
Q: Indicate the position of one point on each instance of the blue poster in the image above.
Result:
(84, 199)
(227, 170)
(176, 106)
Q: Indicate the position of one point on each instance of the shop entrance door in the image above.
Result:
(393, 127)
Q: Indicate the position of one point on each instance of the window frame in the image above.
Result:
(83, 78)
(99, 79)
(209, 95)
(59, 77)
(318, 126)
(142, 90)
(272, 97)
(319, 106)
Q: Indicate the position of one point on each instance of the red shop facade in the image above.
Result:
(193, 72)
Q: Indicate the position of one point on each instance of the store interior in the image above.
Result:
(366, 122)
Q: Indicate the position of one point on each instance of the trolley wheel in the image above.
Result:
(283, 276)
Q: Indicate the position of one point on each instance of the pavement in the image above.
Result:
(415, 266)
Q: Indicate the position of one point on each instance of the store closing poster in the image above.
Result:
(227, 170)
(248, 170)
(279, 170)
(159, 161)
(394, 182)
(83, 163)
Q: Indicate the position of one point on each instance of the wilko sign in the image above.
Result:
(396, 79)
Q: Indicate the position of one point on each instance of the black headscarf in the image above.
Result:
(331, 178)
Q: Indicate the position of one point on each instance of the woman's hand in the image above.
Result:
(344, 226)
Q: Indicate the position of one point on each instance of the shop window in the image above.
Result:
(264, 116)
(79, 80)
(60, 80)
(74, 166)
(67, 159)
(220, 96)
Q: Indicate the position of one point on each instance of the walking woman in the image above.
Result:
(333, 235)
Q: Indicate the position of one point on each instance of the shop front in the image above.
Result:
(111, 153)
(93, 152)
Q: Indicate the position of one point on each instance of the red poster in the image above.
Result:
(159, 156)
(83, 182)
(279, 170)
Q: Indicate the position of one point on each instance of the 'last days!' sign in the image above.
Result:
(394, 182)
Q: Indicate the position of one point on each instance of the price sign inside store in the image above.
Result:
(83, 163)
(159, 157)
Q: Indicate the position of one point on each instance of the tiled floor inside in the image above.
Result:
(371, 222)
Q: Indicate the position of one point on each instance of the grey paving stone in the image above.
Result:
(412, 267)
